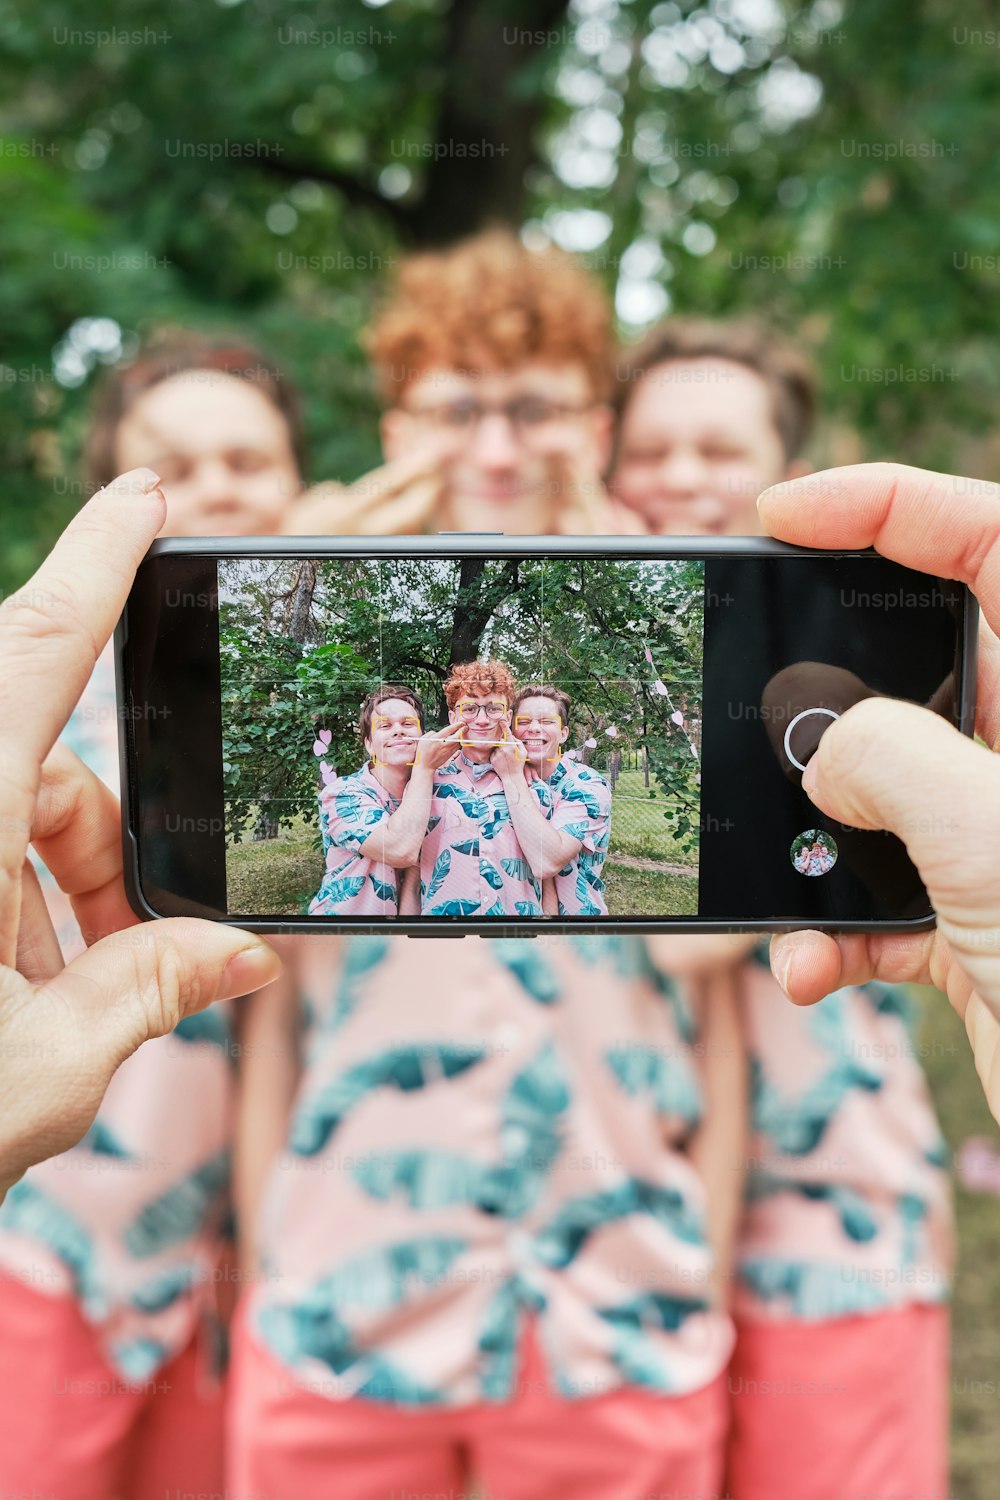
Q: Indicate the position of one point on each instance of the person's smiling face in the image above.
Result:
(222, 450)
(698, 443)
(539, 727)
(483, 717)
(501, 433)
(394, 733)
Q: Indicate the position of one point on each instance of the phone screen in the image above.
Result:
(514, 740)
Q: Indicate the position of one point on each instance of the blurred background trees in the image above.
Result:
(259, 167)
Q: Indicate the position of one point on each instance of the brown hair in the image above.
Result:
(382, 695)
(480, 678)
(490, 303)
(545, 690)
(788, 374)
(175, 353)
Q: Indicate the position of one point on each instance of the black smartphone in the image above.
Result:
(510, 735)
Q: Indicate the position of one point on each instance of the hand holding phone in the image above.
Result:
(64, 1029)
(635, 717)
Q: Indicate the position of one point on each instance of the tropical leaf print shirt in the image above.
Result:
(487, 1130)
(848, 1196)
(471, 863)
(582, 808)
(131, 1221)
(350, 809)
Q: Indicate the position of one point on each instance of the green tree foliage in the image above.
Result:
(255, 167)
(617, 636)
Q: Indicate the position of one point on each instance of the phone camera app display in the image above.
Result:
(461, 738)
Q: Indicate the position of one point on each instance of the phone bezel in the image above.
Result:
(493, 545)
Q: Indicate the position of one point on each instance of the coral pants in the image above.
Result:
(849, 1409)
(71, 1428)
(287, 1442)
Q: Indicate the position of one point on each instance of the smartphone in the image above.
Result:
(513, 735)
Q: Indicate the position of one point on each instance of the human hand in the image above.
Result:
(891, 765)
(582, 505)
(64, 1030)
(436, 748)
(398, 499)
(510, 758)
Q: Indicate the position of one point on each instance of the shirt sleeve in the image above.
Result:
(352, 813)
(583, 810)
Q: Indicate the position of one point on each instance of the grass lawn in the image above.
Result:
(277, 876)
(648, 893)
(638, 825)
(975, 1367)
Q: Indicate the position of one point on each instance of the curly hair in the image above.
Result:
(478, 678)
(490, 303)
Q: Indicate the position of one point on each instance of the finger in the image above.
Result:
(365, 508)
(141, 983)
(51, 634)
(399, 474)
(53, 630)
(892, 765)
(888, 764)
(39, 956)
(939, 524)
(316, 512)
(76, 832)
(983, 1030)
(407, 514)
(988, 687)
(581, 502)
(809, 965)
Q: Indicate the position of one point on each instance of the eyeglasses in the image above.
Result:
(528, 415)
(469, 711)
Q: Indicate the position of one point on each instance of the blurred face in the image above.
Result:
(697, 446)
(222, 451)
(394, 733)
(504, 435)
(539, 727)
(483, 717)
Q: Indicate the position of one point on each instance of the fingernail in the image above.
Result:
(810, 779)
(247, 971)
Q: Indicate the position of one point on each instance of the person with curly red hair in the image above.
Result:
(495, 362)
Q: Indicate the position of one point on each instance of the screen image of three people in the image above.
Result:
(488, 816)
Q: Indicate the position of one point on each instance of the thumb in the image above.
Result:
(141, 982)
(892, 765)
(983, 1030)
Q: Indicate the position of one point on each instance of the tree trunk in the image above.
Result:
(297, 618)
(487, 126)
